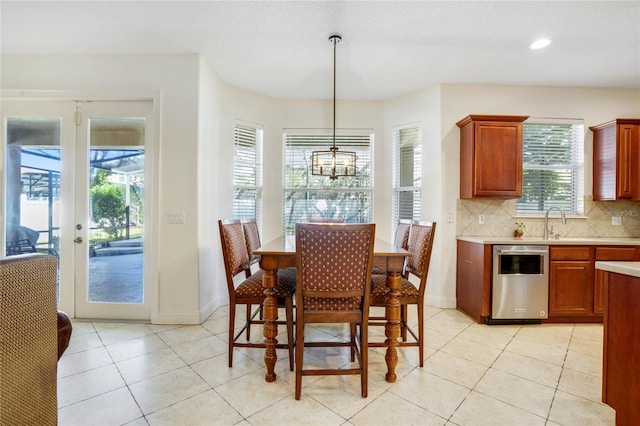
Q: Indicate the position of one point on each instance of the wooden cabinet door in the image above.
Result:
(473, 279)
(498, 159)
(491, 156)
(616, 160)
(628, 162)
(570, 288)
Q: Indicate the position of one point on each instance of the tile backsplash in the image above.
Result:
(500, 218)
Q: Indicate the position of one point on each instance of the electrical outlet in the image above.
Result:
(481, 219)
(450, 217)
(616, 220)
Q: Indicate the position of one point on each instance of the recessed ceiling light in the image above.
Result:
(540, 43)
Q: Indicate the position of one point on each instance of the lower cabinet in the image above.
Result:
(571, 275)
(473, 280)
(576, 288)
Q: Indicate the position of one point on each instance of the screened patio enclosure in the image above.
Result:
(35, 169)
(32, 212)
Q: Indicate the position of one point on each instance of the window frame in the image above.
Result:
(398, 188)
(255, 163)
(307, 140)
(576, 166)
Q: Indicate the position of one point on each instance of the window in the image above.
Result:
(247, 172)
(407, 173)
(553, 166)
(306, 196)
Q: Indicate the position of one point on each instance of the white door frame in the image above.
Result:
(84, 112)
(42, 102)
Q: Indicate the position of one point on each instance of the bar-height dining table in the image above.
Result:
(281, 253)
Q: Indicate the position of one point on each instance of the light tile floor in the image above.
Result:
(139, 374)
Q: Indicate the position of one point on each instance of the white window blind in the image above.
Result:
(553, 166)
(307, 196)
(407, 174)
(247, 172)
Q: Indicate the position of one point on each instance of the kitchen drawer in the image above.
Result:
(617, 253)
(570, 253)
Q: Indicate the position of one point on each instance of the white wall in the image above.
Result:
(423, 108)
(212, 284)
(196, 153)
(176, 78)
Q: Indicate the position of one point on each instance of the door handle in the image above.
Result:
(78, 240)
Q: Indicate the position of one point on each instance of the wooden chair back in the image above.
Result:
(234, 251)
(252, 238)
(420, 244)
(401, 239)
(334, 266)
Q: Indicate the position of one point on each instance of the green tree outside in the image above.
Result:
(108, 205)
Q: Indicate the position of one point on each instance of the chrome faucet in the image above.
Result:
(546, 221)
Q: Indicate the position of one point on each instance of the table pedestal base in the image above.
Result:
(392, 327)
(270, 311)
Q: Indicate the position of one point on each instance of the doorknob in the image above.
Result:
(77, 240)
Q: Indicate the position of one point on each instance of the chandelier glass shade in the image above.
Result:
(333, 162)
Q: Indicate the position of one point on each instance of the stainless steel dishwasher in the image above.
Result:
(520, 285)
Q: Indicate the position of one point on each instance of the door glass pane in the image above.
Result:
(116, 213)
(32, 185)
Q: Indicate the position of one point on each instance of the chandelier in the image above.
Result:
(333, 163)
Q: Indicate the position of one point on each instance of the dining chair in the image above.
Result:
(420, 244)
(252, 238)
(400, 240)
(333, 264)
(250, 291)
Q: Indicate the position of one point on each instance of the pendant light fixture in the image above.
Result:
(333, 163)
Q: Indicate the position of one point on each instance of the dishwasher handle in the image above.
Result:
(500, 251)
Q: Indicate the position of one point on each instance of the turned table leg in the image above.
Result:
(270, 310)
(392, 327)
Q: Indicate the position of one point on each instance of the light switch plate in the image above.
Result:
(176, 217)
(616, 220)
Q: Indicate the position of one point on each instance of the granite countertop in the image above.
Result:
(625, 268)
(562, 241)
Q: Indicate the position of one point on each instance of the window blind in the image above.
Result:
(553, 167)
(306, 196)
(407, 174)
(247, 172)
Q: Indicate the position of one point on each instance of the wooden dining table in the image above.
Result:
(281, 253)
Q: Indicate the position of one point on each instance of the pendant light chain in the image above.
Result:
(335, 43)
(334, 163)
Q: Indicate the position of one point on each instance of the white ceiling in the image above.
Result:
(389, 48)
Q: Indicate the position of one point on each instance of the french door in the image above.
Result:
(75, 186)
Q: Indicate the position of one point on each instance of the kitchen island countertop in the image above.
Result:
(625, 268)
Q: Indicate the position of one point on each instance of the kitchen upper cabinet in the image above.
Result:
(491, 156)
(616, 160)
